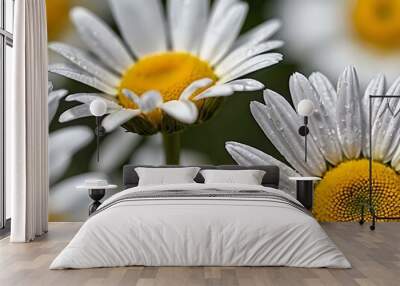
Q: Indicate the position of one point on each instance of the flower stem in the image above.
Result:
(172, 148)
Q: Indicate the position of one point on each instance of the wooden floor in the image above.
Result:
(375, 257)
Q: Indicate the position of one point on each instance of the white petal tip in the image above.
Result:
(63, 118)
(118, 118)
(78, 12)
(184, 111)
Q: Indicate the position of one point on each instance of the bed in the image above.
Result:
(198, 224)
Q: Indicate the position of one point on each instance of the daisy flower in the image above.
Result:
(338, 145)
(174, 72)
(329, 35)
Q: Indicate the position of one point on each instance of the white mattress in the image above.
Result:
(202, 231)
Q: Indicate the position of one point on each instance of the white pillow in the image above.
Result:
(246, 177)
(165, 176)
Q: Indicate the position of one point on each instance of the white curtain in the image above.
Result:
(26, 124)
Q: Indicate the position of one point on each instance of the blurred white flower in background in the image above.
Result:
(115, 150)
(121, 147)
(152, 153)
(329, 35)
(66, 202)
(63, 144)
(61, 147)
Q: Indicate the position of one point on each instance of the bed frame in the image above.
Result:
(271, 177)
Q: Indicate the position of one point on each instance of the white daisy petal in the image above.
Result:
(388, 138)
(384, 106)
(379, 126)
(142, 25)
(132, 96)
(87, 64)
(377, 86)
(117, 118)
(187, 19)
(219, 38)
(287, 123)
(58, 164)
(248, 156)
(194, 86)
(242, 54)
(59, 140)
(216, 91)
(348, 113)
(89, 97)
(101, 40)
(76, 112)
(326, 92)
(391, 142)
(259, 34)
(394, 103)
(229, 88)
(396, 160)
(74, 73)
(262, 116)
(147, 101)
(219, 10)
(150, 100)
(62, 148)
(49, 87)
(300, 89)
(245, 84)
(322, 128)
(253, 64)
(182, 110)
(53, 101)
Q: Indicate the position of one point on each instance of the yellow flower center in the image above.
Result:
(377, 22)
(57, 16)
(344, 189)
(169, 73)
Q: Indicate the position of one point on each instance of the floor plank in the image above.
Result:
(375, 257)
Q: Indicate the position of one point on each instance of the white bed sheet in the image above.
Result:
(200, 232)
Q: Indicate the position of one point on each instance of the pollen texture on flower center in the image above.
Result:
(343, 189)
(377, 22)
(169, 73)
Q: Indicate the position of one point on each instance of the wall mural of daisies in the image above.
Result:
(167, 70)
(339, 145)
